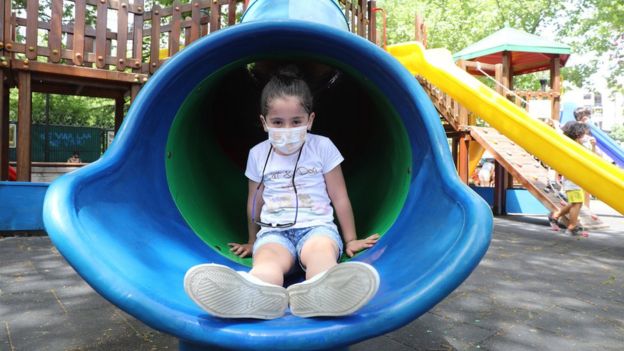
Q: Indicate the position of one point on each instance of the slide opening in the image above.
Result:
(218, 123)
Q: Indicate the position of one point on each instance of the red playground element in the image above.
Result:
(12, 173)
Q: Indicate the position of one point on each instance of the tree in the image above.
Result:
(454, 24)
(617, 133)
(596, 27)
(68, 110)
(588, 26)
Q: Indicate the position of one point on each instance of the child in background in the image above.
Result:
(486, 173)
(294, 179)
(574, 193)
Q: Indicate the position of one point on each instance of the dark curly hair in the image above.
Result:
(286, 82)
(581, 112)
(575, 130)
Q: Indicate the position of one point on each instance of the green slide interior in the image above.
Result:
(218, 123)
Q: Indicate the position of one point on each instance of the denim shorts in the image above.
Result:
(294, 239)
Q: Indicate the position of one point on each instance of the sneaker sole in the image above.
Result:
(344, 289)
(554, 224)
(224, 293)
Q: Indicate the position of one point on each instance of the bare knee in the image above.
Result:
(319, 254)
(271, 262)
(320, 246)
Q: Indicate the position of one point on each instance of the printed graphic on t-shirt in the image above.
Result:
(312, 206)
(285, 202)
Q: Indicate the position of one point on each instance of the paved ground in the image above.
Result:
(534, 290)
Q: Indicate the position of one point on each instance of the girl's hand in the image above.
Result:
(356, 246)
(241, 250)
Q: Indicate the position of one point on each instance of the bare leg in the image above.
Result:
(575, 209)
(270, 263)
(319, 254)
(587, 200)
(563, 211)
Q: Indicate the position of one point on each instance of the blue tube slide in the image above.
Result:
(605, 143)
(124, 225)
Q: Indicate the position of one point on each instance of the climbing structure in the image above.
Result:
(500, 57)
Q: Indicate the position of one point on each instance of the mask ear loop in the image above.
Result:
(253, 205)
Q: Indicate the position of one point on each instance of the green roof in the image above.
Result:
(509, 39)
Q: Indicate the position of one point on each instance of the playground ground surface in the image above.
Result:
(534, 290)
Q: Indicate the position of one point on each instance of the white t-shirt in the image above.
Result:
(318, 157)
(485, 173)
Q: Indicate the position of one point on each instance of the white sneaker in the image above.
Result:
(341, 290)
(223, 292)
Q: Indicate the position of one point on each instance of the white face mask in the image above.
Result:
(287, 140)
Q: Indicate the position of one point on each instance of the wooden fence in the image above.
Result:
(123, 35)
(105, 48)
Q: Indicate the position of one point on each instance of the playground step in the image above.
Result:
(530, 172)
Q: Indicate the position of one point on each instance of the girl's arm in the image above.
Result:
(337, 190)
(244, 250)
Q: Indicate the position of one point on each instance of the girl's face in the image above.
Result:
(286, 112)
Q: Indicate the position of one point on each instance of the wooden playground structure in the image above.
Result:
(110, 48)
(107, 49)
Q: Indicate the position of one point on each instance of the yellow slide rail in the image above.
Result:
(569, 158)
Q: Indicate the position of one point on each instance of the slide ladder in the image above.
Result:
(529, 172)
(524, 167)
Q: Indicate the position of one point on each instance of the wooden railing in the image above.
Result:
(89, 40)
(106, 49)
(122, 35)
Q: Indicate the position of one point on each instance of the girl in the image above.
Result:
(574, 193)
(294, 178)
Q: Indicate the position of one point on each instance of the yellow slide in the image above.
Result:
(583, 167)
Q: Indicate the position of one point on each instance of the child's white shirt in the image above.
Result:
(318, 157)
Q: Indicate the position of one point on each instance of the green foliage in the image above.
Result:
(69, 110)
(617, 133)
(588, 26)
(597, 27)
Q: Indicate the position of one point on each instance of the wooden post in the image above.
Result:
(555, 87)
(195, 21)
(119, 112)
(154, 40)
(498, 75)
(419, 35)
(507, 70)
(463, 157)
(4, 127)
(100, 34)
(134, 91)
(454, 151)
(352, 10)
(79, 31)
(174, 35)
(32, 10)
(24, 119)
(362, 18)
(462, 113)
(215, 17)
(501, 176)
(137, 36)
(500, 190)
(122, 34)
(372, 22)
(55, 36)
(232, 12)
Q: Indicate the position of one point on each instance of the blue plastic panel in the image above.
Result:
(117, 225)
(21, 205)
